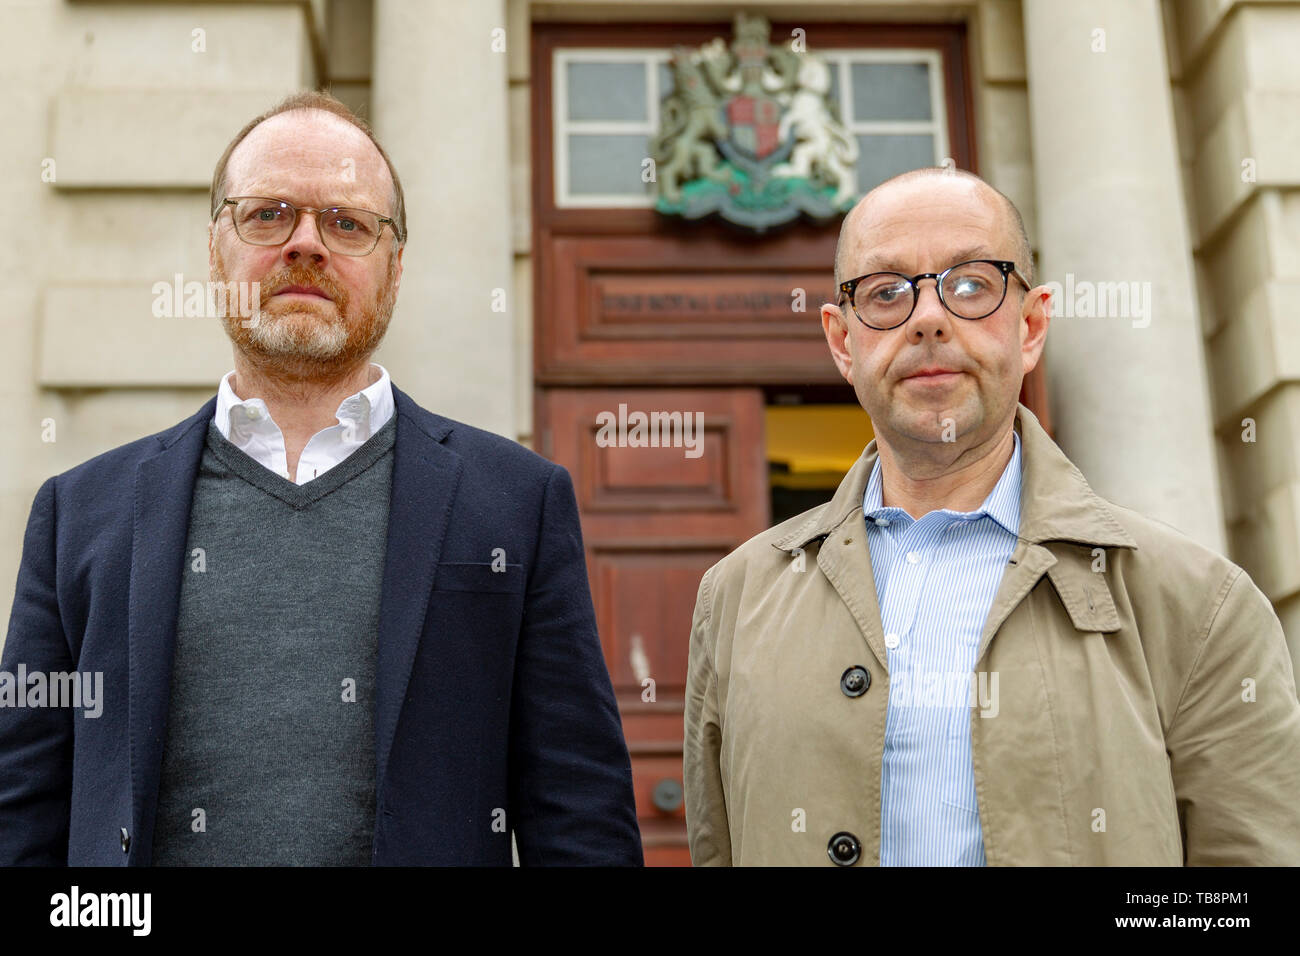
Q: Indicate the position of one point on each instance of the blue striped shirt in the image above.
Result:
(936, 577)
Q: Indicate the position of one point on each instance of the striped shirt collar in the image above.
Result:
(1002, 503)
(1056, 501)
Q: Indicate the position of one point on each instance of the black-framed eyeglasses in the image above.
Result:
(261, 221)
(969, 290)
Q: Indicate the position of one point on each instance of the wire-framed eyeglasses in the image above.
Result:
(261, 221)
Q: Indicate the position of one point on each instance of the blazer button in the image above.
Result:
(855, 681)
(126, 841)
(844, 849)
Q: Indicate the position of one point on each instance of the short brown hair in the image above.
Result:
(325, 102)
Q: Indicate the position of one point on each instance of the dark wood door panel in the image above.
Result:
(628, 309)
(632, 491)
(653, 521)
(645, 596)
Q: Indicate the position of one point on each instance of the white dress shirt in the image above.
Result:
(247, 424)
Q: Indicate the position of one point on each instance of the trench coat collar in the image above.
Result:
(1056, 501)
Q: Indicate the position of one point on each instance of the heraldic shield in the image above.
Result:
(749, 132)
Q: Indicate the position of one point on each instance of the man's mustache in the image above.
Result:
(301, 276)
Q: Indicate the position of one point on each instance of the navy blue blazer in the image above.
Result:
(492, 691)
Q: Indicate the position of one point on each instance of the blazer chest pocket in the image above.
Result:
(479, 576)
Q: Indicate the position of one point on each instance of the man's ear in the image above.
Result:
(836, 328)
(1036, 313)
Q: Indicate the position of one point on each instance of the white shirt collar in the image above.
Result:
(247, 424)
(371, 407)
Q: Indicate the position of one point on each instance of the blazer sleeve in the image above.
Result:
(35, 742)
(1234, 742)
(570, 776)
(707, 831)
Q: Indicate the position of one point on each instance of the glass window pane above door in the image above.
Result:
(607, 91)
(891, 91)
(883, 155)
(607, 164)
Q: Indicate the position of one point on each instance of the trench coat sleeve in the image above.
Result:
(1236, 761)
(706, 810)
(36, 742)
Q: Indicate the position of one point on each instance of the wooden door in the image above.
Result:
(654, 519)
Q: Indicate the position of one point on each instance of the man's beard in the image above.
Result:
(303, 339)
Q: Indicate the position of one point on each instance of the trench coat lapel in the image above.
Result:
(1058, 512)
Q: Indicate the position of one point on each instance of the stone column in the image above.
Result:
(1127, 380)
(438, 104)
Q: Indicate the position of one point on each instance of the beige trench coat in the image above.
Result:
(1146, 709)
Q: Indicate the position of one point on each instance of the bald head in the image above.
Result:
(1012, 225)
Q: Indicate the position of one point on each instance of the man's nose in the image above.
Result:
(305, 242)
(930, 317)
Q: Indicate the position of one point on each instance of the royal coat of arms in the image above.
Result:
(750, 133)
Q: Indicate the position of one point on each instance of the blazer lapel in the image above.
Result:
(425, 477)
(164, 488)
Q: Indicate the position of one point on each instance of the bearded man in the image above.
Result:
(334, 628)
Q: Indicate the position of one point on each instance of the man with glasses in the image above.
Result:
(333, 628)
(967, 657)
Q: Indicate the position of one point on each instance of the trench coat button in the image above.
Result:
(855, 681)
(844, 849)
(126, 841)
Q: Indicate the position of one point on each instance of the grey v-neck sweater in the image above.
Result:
(269, 756)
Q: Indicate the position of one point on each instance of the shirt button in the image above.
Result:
(254, 414)
(892, 641)
(913, 557)
(882, 522)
